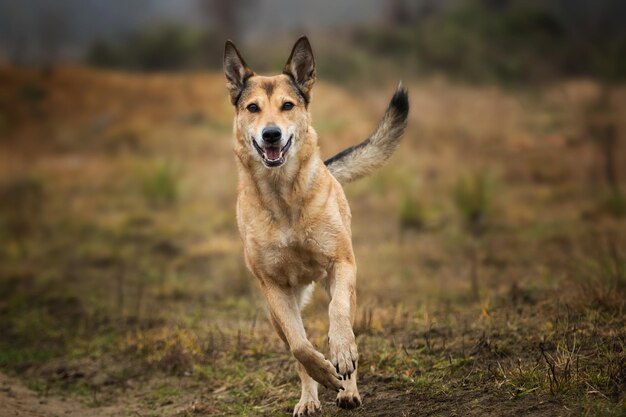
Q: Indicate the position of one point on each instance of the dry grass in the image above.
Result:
(122, 281)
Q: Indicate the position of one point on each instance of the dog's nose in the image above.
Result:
(271, 134)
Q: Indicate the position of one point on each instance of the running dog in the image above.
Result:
(293, 215)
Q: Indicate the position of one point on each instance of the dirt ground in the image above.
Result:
(19, 401)
(491, 252)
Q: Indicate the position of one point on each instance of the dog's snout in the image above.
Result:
(271, 134)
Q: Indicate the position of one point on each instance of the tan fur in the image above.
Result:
(294, 221)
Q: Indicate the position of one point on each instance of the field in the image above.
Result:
(491, 252)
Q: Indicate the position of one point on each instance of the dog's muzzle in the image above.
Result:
(272, 153)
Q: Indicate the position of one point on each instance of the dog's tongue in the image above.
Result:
(272, 153)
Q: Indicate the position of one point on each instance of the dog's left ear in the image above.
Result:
(236, 71)
(301, 66)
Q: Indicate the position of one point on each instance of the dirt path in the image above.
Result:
(16, 400)
(384, 397)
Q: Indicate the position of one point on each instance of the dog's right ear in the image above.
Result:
(236, 70)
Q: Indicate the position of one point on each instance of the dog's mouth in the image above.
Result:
(273, 156)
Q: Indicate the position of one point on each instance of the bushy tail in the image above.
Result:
(360, 160)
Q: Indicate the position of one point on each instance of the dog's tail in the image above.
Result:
(360, 160)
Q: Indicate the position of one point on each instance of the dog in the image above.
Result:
(293, 215)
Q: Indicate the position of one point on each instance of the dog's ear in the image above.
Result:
(301, 66)
(236, 70)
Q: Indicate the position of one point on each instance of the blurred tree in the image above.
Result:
(504, 40)
(596, 36)
(226, 15)
(52, 30)
(162, 47)
(103, 54)
(12, 36)
(399, 13)
(427, 8)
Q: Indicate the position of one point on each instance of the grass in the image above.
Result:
(21, 205)
(412, 214)
(602, 276)
(616, 204)
(22, 356)
(32, 92)
(159, 183)
(474, 197)
(124, 286)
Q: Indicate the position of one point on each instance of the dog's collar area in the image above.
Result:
(267, 153)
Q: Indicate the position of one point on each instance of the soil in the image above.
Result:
(16, 400)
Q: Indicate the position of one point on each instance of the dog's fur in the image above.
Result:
(293, 216)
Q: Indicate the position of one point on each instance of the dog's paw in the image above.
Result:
(319, 368)
(349, 399)
(306, 407)
(343, 354)
(324, 373)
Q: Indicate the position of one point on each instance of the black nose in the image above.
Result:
(271, 134)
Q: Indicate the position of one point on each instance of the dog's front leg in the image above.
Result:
(309, 403)
(343, 350)
(285, 312)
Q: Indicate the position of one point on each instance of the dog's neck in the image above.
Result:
(284, 190)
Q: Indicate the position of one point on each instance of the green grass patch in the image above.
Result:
(13, 357)
(159, 182)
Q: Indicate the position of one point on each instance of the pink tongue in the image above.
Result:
(272, 153)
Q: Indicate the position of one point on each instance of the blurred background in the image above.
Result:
(506, 41)
(491, 249)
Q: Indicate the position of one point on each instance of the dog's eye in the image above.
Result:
(288, 105)
(253, 108)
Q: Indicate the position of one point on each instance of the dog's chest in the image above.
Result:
(296, 256)
(293, 242)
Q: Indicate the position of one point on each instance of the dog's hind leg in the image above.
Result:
(343, 350)
(285, 313)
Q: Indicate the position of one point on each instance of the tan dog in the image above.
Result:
(293, 215)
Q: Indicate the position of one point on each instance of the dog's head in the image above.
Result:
(272, 112)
